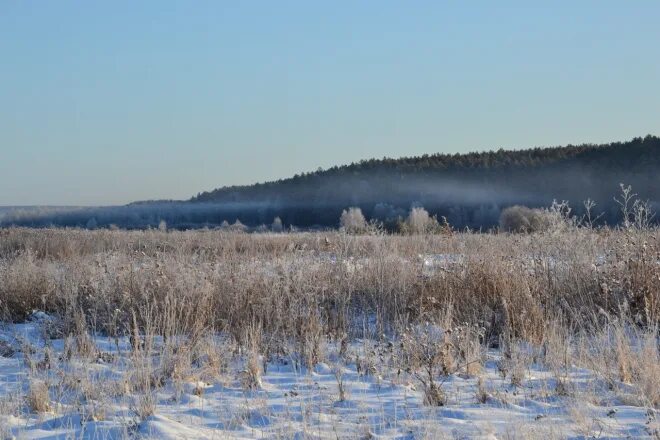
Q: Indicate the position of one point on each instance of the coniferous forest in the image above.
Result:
(469, 190)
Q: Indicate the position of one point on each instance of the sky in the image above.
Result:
(111, 102)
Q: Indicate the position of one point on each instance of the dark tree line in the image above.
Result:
(468, 189)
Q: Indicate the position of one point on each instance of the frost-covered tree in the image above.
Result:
(353, 221)
(420, 222)
(91, 223)
(237, 226)
(277, 225)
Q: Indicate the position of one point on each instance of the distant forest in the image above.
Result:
(470, 190)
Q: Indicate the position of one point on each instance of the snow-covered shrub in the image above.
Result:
(523, 219)
(237, 226)
(353, 221)
(277, 225)
(420, 222)
(91, 223)
(427, 352)
(38, 399)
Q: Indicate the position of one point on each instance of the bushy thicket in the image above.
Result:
(523, 219)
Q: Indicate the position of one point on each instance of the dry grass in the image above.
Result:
(38, 399)
(309, 285)
(305, 285)
(574, 296)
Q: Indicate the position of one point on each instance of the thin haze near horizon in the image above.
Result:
(111, 102)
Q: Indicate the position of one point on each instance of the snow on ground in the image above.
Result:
(382, 402)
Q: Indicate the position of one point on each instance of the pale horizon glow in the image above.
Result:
(108, 103)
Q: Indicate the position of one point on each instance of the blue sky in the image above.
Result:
(110, 102)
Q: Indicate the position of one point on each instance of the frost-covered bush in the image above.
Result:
(523, 219)
(238, 226)
(91, 223)
(277, 225)
(556, 218)
(420, 222)
(353, 221)
(427, 353)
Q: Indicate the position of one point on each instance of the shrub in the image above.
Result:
(38, 399)
(277, 225)
(523, 219)
(238, 226)
(420, 222)
(353, 221)
(427, 351)
(144, 405)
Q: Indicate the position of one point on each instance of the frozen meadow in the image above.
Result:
(208, 334)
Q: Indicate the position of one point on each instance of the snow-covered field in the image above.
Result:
(100, 396)
(215, 334)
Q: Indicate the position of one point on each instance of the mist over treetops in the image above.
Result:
(469, 190)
